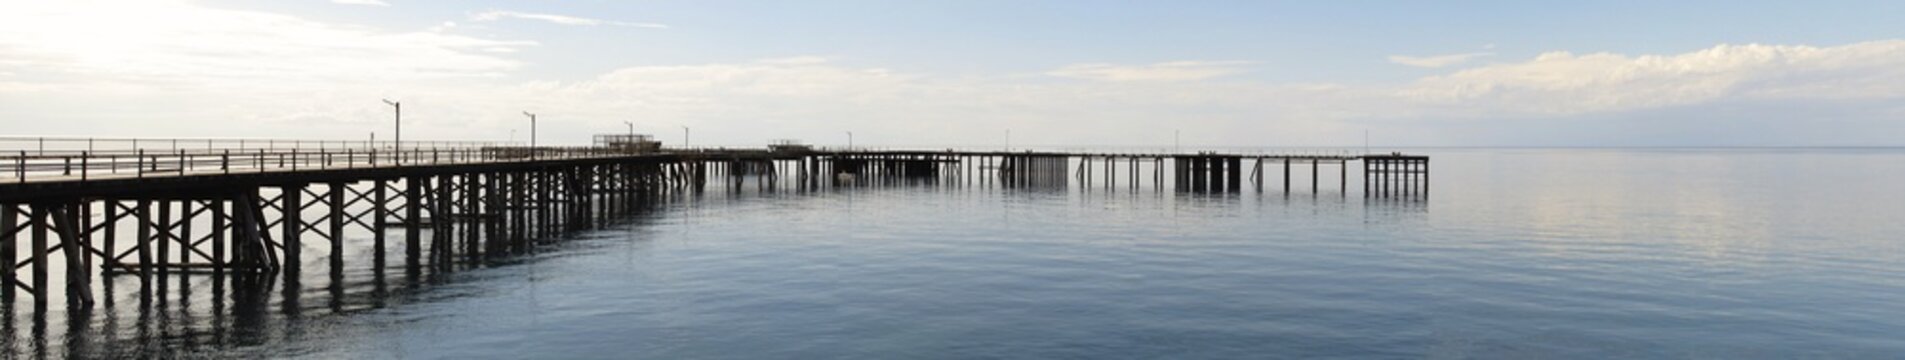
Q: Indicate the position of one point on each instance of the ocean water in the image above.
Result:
(1517, 253)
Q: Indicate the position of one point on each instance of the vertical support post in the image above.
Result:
(547, 214)
(110, 238)
(413, 219)
(1383, 174)
(472, 216)
(1258, 173)
(1236, 175)
(219, 229)
(185, 233)
(1198, 169)
(493, 213)
(291, 222)
(1388, 176)
(245, 236)
(380, 216)
(1213, 174)
(1286, 176)
(1314, 174)
(9, 222)
(37, 223)
(144, 244)
(79, 289)
(336, 208)
(163, 239)
(84, 218)
(442, 223)
(518, 224)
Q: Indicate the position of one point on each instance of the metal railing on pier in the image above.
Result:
(67, 159)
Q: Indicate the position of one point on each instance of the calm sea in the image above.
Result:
(1516, 253)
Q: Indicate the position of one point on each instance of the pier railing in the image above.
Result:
(27, 159)
(67, 159)
(41, 145)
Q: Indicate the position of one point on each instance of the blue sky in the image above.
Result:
(957, 73)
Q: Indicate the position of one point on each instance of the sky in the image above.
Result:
(970, 73)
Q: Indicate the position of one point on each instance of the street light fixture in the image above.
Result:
(532, 131)
(397, 143)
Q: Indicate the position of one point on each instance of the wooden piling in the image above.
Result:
(1235, 176)
(380, 216)
(37, 224)
(9, 234)
(1286, 176)
(413, 220)
(219, 229)
(336, 207)
(79, 289)
(291, 222)
(163, 242)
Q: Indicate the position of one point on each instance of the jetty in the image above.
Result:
(250, 208)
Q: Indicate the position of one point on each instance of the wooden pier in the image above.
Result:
(253, 211)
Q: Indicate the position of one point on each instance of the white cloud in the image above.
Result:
(1166, 71)
(494, 15)
(361, 2)
(1437, 60)
(1566, 83)
(796, 60)
(179, 42)
(178, 69)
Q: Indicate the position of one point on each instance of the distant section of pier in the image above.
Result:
(247, 208)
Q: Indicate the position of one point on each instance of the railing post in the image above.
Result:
(85, 158)
(225, 162)
(68, 166)
(182, 162)
(20, 166)
(140, 164)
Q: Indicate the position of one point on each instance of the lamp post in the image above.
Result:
(397, 143)
(532, 128)
(849, 140)
(684, 137)
(631, 130)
